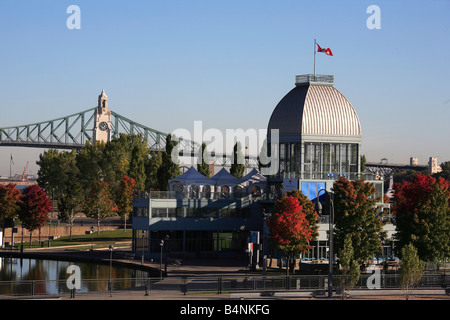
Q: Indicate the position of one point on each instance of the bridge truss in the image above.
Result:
(75, 130)
(387, 169)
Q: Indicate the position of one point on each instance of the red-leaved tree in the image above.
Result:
(422, 216)
(34, 208)
(289, 227)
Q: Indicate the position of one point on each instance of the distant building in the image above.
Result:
(433, 166)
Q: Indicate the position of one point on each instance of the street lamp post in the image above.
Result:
(92, 238)
(330, 237)
(110, 267)
(143, 246)
(160, 260)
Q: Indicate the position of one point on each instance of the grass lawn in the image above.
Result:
(104, 238)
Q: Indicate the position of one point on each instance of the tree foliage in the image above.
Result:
(169, 167)
(202, 163)
(89, 161)
(309, 210)
(289, 227)
(152, 165)
(237, 165)
(55, 170)
(356, 214)
(350, 271)
(124, 199)
(63, 174)
(422, 216)
(34, 208)
(70, 203)
(100, 205)
(445, 171)
(9, 201)
(411, 269)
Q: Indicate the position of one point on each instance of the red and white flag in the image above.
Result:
(327, 51)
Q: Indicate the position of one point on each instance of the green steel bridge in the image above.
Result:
(75, 130)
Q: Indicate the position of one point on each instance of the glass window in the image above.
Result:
(193, 191)
(159, 212)
(354, 158)
(225, 192)
(140, 211)
(344, 159)
(209, 212)
(172, 212)
(225, 212)
(305, 189)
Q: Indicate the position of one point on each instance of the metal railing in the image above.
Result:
(206, 285)
(201, 195)
(315, 78)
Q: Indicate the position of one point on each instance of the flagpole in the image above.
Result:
(314, 59)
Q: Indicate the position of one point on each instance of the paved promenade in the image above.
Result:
(202, 268)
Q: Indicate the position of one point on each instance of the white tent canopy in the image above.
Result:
(223, 177)
(192, 176)
(193, 183)
(253, 177)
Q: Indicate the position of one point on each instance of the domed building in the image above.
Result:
(318, 140)
(319, 136)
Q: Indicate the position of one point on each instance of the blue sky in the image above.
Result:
(169, 63)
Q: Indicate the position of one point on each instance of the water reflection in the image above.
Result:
(49, 276)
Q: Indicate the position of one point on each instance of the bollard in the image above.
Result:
(219, 285)
(184, 285)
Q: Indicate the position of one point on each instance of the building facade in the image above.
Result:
(318, 141)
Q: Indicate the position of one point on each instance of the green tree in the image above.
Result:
(422, 216)
(202, 161)
(263, 157)
(349, 267)
(237, 165)
(116, 160)
(55, 169)
(137, 166)
(124, 199)
(71, 203)
(411, 269)
(89, 162)
(356, 214)
(99, 205)
(363, 163)
(48, 172)
(152, 164)
(445, 173)
(34, 208)
(169, 167)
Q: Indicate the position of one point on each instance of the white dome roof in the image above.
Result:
(315, 110)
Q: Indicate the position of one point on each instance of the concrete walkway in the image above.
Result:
(170, 287)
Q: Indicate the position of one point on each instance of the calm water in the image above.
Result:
(50, 276)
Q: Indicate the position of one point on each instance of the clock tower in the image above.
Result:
(102, 122)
